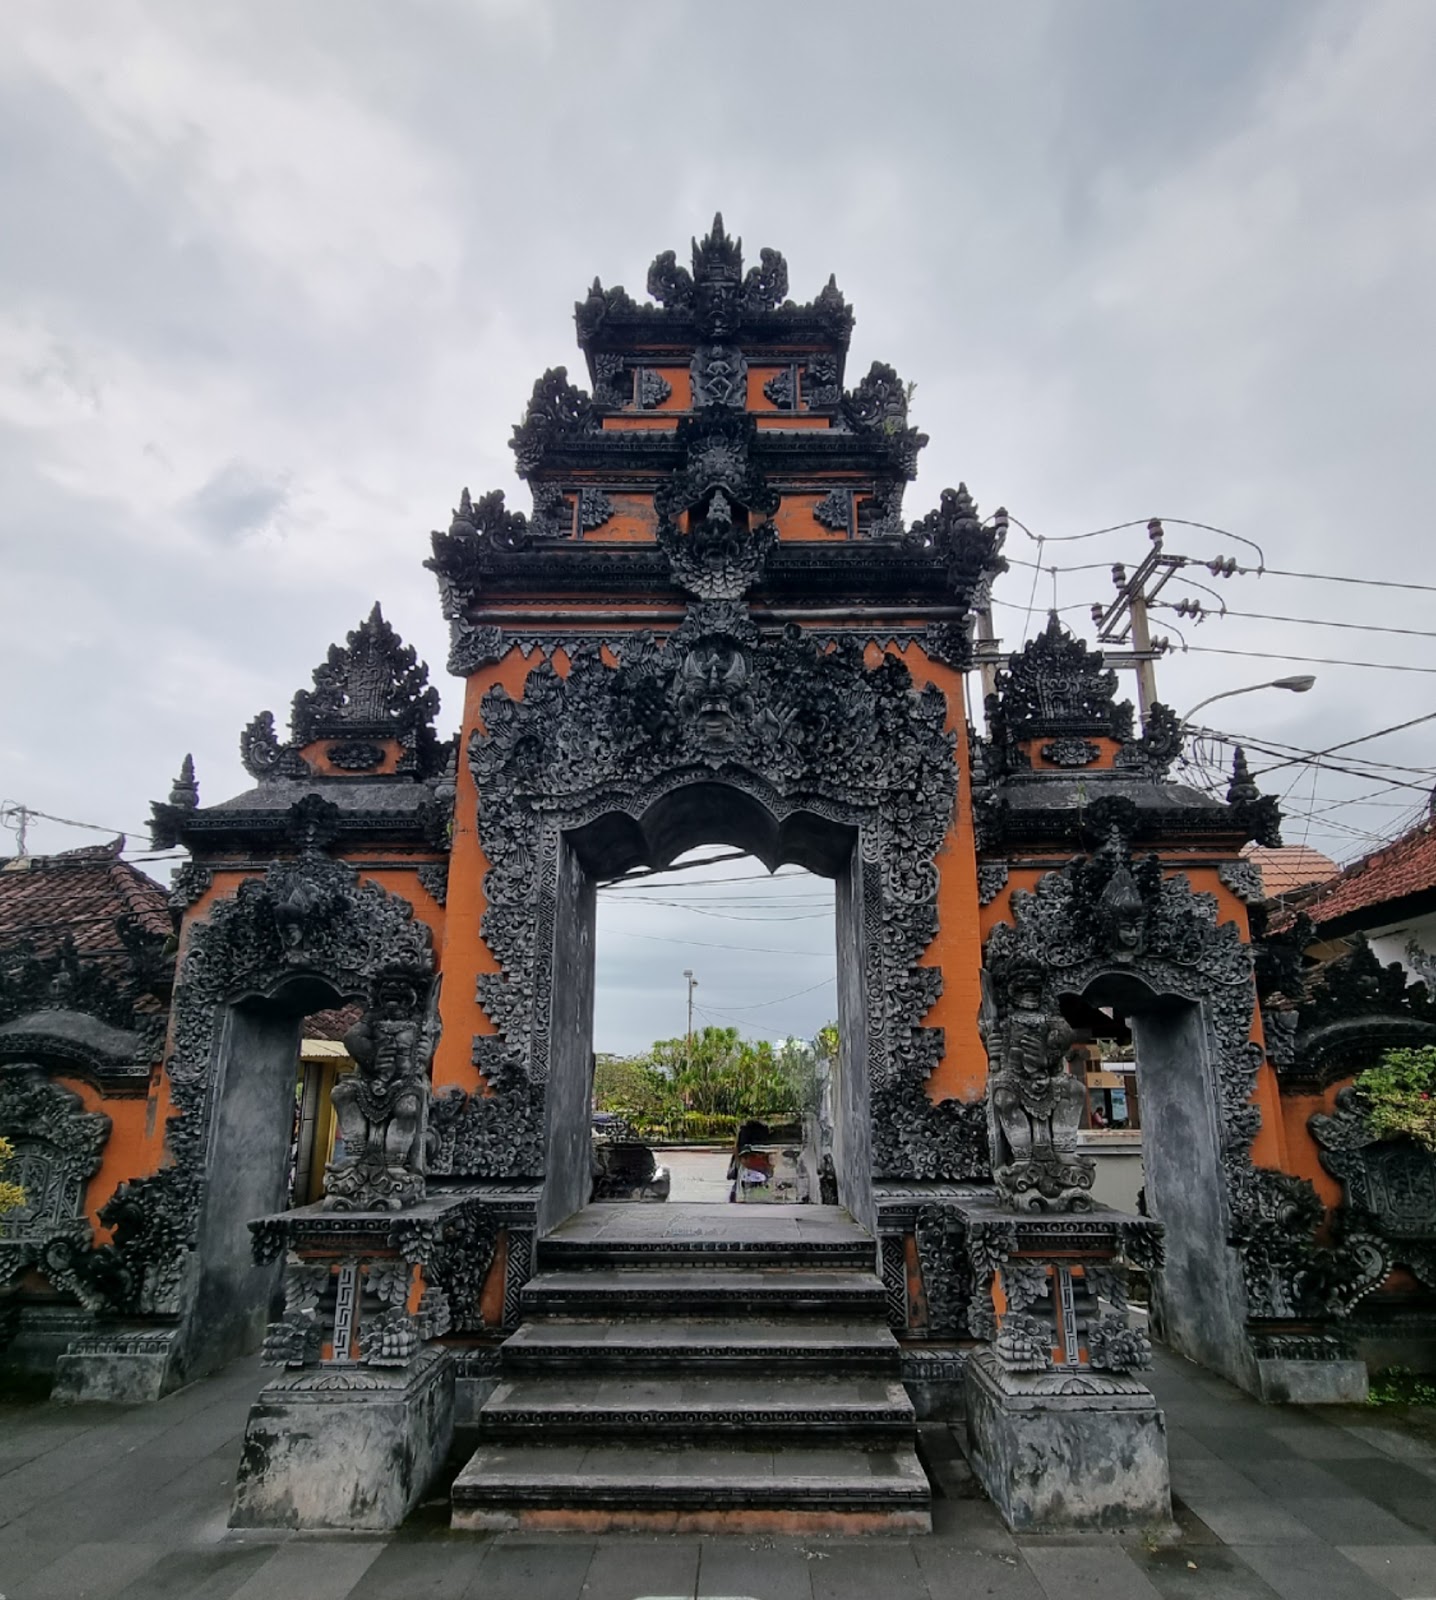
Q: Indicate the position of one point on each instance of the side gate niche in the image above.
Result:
(185, 1294)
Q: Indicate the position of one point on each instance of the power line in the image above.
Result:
(1365, 738)
(1322, 661)
(1313, 622)
(762, 1005)
(1331, 577)
(702, 944)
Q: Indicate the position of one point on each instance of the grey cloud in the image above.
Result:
(236, 500)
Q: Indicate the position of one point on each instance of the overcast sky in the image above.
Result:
(276, 279)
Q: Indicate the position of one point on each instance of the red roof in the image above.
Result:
(1287, 867)
(80, 894)
(1394, 872)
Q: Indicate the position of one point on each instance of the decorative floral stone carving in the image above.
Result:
(594, 509)
(1070, 752)
(718, 558)
(781, 390)
(355, 755)
(823, 381)
(58, 1147)
(835, 510)
(556, 410)
(1244, 880)
(991, 881)
(553, 513)
(653, 389)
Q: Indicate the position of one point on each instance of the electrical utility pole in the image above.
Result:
(1126, 616)
(692, 985)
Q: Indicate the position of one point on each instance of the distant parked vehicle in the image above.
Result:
(626, 1170)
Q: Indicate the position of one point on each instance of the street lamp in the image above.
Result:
(692, 984)
(1297, 685)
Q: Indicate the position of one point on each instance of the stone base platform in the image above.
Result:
(118, 1366)
(346, 1446)
(701, 1370)
(1058, 1451)
(704, 1488)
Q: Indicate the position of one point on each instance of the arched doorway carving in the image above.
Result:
(780, 743)
(307, 934)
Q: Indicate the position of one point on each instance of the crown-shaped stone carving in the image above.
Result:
(373, 686)
(1056, 685)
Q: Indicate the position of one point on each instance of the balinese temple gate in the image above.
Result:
(719, 624)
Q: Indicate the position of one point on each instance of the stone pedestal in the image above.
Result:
(1052, 1460)
(125, 1367)
(345, 1447)
(350, 1437)
(1062, 1436)
(1308, 1369)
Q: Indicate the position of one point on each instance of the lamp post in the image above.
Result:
(1297, 685)
(692, 985)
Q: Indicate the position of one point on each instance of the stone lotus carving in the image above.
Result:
(1036, 1104)
(381, 1109)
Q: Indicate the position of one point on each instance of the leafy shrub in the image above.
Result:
(1400, 1095)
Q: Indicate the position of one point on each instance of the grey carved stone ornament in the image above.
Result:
(381, 1109)
(1036, 1104)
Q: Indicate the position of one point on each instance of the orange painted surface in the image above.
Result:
(779, 420)
(1106, 755)
(135, 1147)
(633, 520)
(317, 755)
(794, 519)
(758, 375)
(957, 949)
(464, 954)
(1302, 1152)
(635, 421)
(491, 1300)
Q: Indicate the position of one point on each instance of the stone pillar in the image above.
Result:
(1061, 1434)
(363, 1417)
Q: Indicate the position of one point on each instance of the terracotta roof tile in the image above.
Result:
(79, 894)
(1394, 872)
(1288, 867)
(332, 1024)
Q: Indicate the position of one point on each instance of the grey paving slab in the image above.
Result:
(533, 1569)
(211, 1574)
(1389, 1483)
(1311, 1571)
(1208, 1478)
(971, 1525)
(1209, 1573)
(863, 1569)
(624, 1568)
(1242, 1443)
(435, 1568)
(954, 1573)
(1065, 1571)
(1256, 1520)
(1392, 1441)
(312, 1567)
(762, 1569)
(1420, 1512)
(1407, 1570)
(1355, 1520)
(1324, 1442)
(97, 1570)
(1291, 1479)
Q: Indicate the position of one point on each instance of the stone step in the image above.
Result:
(855, 1253)
(621, 1292)
(742, 1486)
(762, 1343)
(852, 1406)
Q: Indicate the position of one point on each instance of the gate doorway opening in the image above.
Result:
(715, 1033)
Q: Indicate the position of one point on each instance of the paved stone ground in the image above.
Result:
(101, 1503)
(697, 1175)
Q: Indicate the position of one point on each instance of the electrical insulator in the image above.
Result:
(1154, 530)
(1098, 612)
(1222, 567)
(1190, 607)
(1119, 574)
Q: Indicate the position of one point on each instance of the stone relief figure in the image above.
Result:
(714, 692)
(1035, 1104)
(382, 1108)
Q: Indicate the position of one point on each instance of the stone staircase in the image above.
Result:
(703, 1369)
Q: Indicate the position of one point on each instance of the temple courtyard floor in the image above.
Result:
(101, 1503)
